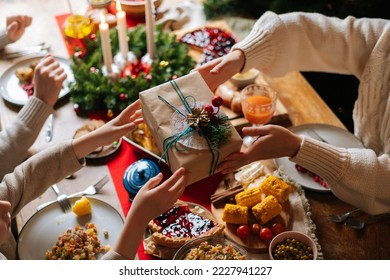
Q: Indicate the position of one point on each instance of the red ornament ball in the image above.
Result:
(122, 96)
(209, 110)
(217, 101)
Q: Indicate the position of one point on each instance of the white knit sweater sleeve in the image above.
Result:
(313, 42)
(310, 42)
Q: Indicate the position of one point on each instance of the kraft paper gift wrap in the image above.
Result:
(191, 152)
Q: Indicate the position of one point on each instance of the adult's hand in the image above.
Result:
(219, 70)
(273, 142)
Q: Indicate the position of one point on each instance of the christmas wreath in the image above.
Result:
(94, 91)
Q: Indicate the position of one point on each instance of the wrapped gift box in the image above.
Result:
(160, 105)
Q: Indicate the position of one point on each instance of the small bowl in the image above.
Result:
(99, 4)
(136, 8)
(281, 237)
(241, 80)
(211, 240)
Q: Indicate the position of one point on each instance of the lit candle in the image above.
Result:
(149, 18)
(122, 30)
(106, 47)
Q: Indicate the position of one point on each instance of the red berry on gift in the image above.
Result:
(217, 101)
(122, 96)
(174, 77)
(209, 110)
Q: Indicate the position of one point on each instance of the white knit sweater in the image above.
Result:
(299, 41)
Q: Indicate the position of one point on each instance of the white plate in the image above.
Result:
(10, 87)
(40, 232)
(331, 134)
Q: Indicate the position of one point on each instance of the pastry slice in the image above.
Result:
(180, 224)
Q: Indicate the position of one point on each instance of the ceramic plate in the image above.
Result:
(10, 87)
(331, 134)
(106, 150)
(40, 232)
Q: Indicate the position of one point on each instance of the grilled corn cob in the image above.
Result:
(274, 186)
(235, 214)
(267, 209)
(248, 197)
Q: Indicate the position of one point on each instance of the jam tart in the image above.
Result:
(180, 224)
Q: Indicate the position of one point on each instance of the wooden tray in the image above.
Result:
(253, 242)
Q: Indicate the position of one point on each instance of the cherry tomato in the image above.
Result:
(277, 228)
(243, 231)
(256, 228)
(266, 234)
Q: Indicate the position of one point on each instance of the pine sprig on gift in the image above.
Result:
(91, 90)
(217, 131)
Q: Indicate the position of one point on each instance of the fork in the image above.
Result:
(62, 199)
(91, 190)
(39, 49)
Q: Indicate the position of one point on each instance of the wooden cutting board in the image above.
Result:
(253, 242)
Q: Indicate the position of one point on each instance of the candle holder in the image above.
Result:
(122, 62)
(147, 60)
(114, 74)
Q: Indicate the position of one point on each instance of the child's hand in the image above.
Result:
(110, 132)
(153, 199)
(48, 79)
(16, 26)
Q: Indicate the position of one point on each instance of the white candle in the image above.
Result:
(122, 30)
(106, 47)
(149, 18)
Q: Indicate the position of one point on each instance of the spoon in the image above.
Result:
(360, 224)
(342, 217)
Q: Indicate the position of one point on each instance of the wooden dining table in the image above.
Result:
(303, 104)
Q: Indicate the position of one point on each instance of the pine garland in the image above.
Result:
(91, 90)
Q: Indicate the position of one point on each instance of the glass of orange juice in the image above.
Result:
(258, 105)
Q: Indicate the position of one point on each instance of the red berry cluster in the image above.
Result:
(315, 177)
(217, 102)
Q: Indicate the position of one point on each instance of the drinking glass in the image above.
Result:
(258, 105)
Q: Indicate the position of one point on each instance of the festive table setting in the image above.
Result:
(120, 53)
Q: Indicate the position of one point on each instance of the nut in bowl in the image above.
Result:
(211, 248)
(292, 245)
(241, 80)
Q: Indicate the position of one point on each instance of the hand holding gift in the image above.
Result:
(188, 126)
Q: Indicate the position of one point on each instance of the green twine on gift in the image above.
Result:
(174, 139)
